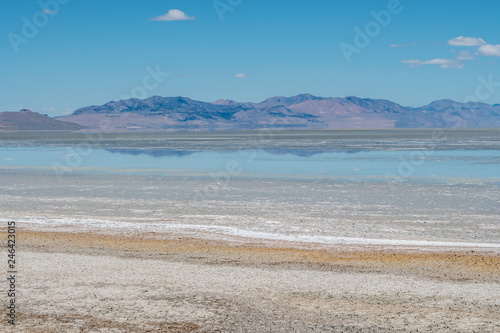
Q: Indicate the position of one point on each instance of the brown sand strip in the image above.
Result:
(465, 265)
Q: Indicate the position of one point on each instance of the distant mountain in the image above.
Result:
(26, 120)
(303, 111)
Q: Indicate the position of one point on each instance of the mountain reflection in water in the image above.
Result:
(181, 153)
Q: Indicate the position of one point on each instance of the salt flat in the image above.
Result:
(105, 283)
(160, 233)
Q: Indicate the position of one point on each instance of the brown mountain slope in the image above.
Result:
(26, 120)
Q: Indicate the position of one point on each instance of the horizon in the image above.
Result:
(60, 55)
(244, 102)
(322, 97)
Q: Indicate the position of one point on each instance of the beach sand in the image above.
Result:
(81, 282)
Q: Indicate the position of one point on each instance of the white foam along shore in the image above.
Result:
(96, 225)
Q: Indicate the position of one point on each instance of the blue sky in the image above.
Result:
(90, 52)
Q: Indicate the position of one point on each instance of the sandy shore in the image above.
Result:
(76, 282)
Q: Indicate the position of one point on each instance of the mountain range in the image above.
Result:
(303, 111)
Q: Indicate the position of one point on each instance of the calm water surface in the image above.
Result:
(480, 165)
(354, 187)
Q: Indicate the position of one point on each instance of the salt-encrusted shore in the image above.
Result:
(131, 253)
(82, 282)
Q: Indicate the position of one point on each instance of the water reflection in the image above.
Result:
(152, 152)
(297, 163)
(158, 153)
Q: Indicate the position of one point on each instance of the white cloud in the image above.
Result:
(48, 11)
(443, 63)
(466, 41)
(173, 15)
(484, 48)
(465, 55)
(481, 46)
(241, 76)
(490, 50)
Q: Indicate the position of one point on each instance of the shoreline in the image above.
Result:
(162, 230)
(441, 262)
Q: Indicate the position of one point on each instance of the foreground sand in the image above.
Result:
(109, 283)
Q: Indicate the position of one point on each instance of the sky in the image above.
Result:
(59, 55)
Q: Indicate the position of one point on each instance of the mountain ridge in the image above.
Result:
(303, 111)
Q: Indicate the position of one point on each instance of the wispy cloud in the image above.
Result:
(490, 50)
(48, 11)
(241, 76)
(443, 63)
(466, 41)
(465, 55)
(483, 49)
(174, 15)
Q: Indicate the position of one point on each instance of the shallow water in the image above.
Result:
(394, 189)
(477, 165)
